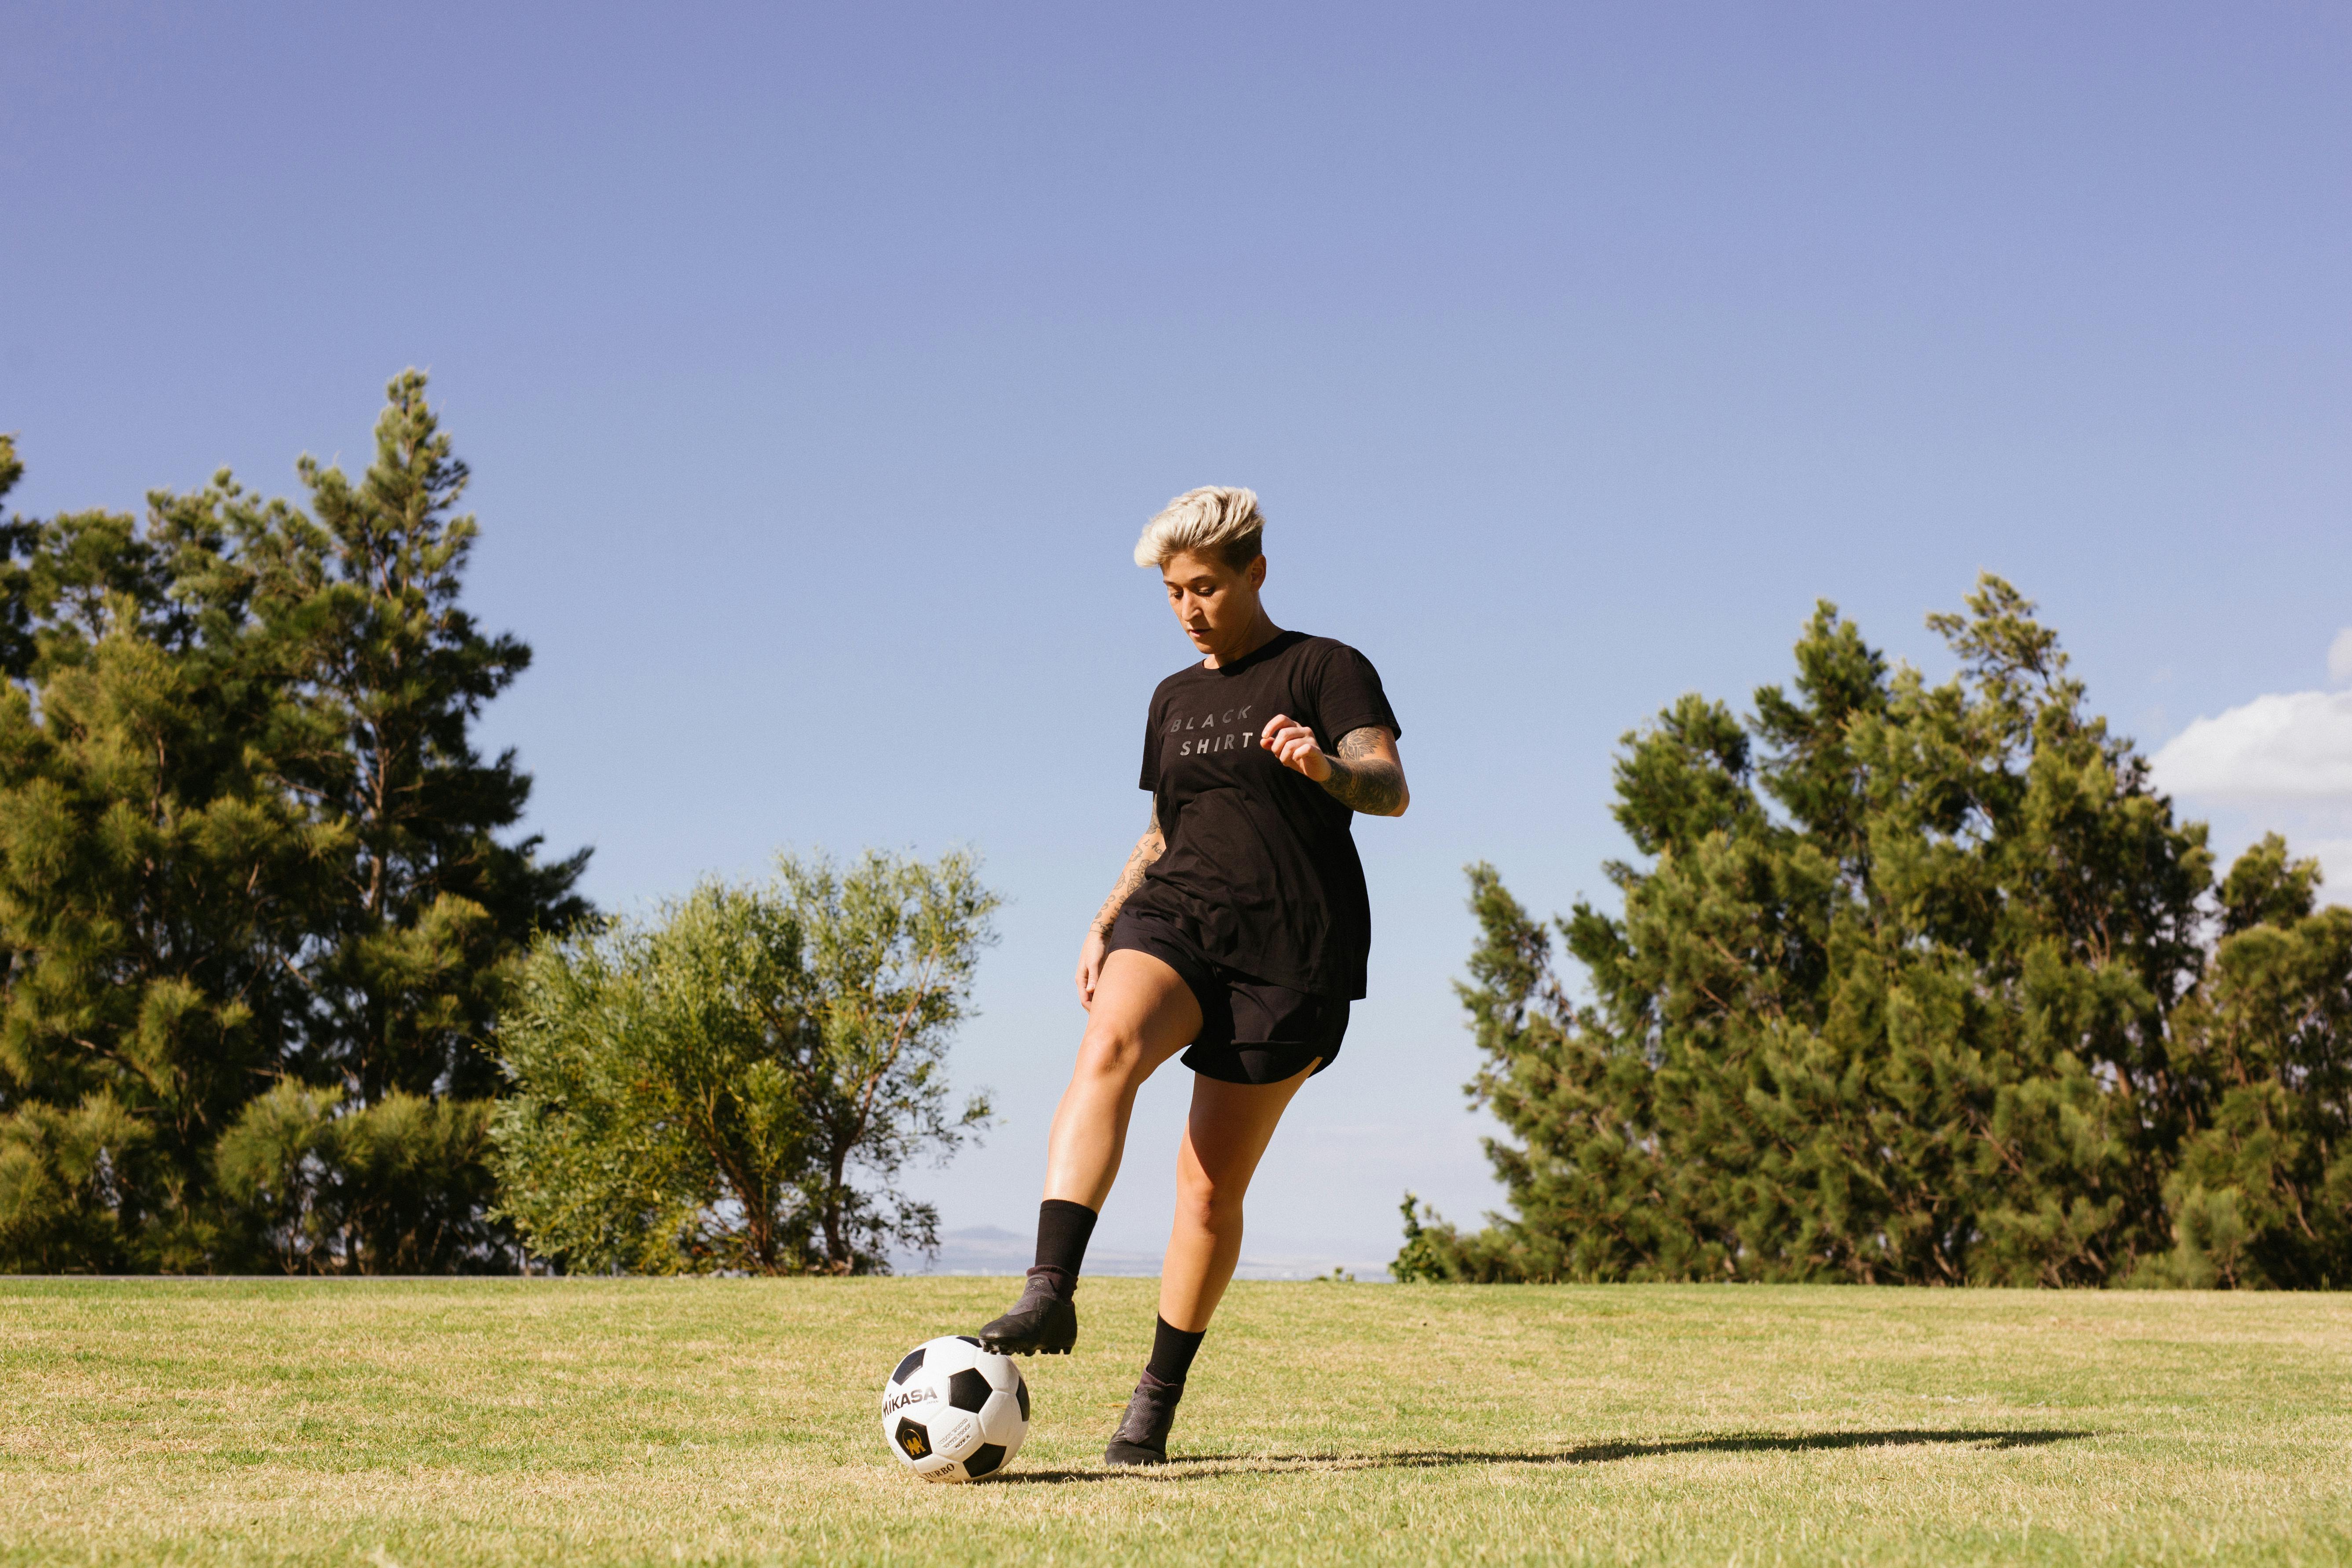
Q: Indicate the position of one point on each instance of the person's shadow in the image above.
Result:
(1586, 1454)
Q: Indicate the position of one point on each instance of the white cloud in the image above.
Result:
(2295, 745)
(2282, 763)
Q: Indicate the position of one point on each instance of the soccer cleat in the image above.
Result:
(1044, 1322)
(1142, 1434)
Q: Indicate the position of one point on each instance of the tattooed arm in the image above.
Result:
(1367, 774)
(1147, 849)
(1138, 860)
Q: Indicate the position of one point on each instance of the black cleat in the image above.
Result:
(1142, 1434)
(1044, 1322)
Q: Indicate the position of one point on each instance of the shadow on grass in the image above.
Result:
(1587, 1454)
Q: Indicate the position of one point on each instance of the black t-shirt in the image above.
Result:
(1260, 869)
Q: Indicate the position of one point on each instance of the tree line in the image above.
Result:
(1913, 984)
(284, 991)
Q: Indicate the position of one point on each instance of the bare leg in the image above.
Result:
(1227, 1132)
(1143, 1012)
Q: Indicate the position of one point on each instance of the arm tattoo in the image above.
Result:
(1362, 778)
(1138, 860)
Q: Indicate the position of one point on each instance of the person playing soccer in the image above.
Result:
(1236, 934)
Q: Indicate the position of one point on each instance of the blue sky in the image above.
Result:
(817, 368)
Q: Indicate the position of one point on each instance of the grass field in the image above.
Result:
(733, 1421)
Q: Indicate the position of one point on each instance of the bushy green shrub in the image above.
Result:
(736, 1084)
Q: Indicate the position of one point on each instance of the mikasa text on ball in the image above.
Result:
(954, 1412)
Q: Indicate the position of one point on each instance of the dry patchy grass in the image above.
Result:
(416, 1422)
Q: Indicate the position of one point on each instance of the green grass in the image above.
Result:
(734, 1421)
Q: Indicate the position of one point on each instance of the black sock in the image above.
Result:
(1063, 1228)
(1172, 1350)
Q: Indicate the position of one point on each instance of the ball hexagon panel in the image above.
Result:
(952, 1356)
(1002, 1420)
(954, 1433)
(969, 1390)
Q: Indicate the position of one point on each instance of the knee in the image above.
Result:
(1206, 1204)
(1107, 1053)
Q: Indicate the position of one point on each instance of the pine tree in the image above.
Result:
(356, 609)
(2263, 1191)
(144, 863)
(1908, 989)
(248, 874)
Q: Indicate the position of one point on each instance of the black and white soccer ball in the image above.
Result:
(954, 1412)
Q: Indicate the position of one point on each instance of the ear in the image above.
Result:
(1255, 573)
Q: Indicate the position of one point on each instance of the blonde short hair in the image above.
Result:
(1219, 520)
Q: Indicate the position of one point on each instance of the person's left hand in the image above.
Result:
(1293, 745)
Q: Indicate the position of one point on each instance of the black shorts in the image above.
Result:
(1252, 1031)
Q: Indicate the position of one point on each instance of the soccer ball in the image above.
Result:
(954, 1412)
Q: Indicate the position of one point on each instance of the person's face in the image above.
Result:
(1217, 606)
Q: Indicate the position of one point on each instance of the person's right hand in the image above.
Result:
(1090, 962)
